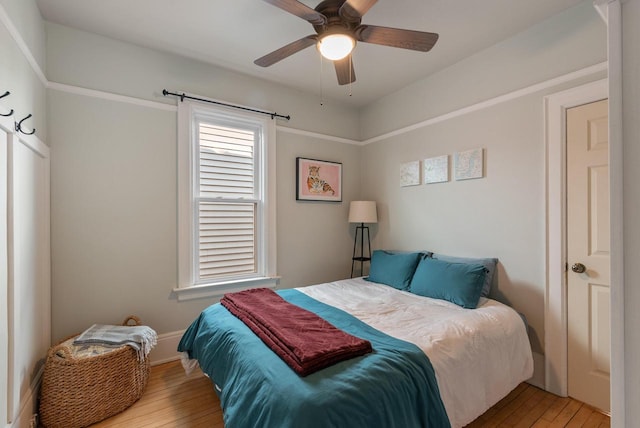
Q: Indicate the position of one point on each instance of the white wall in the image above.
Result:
(24, 213)
(28, 287)
(114, 180)
(631, 196)
(503, 214)
(4, 279)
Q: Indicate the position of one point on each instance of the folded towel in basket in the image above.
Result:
(141, 338)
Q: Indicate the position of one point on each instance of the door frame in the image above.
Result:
(611, 11)
(555, 337)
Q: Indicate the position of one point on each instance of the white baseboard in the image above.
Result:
(538, 371)
(166, 349)
(29, 403)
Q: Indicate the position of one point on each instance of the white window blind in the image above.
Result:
(228, 200)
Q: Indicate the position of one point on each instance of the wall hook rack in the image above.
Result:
(6, 94)
(19, 126)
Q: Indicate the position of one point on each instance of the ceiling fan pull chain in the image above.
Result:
(321, 82)
(350, 75)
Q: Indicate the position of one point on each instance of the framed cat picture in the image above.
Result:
(318, 180)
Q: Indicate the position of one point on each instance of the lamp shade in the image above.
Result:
(363, 212)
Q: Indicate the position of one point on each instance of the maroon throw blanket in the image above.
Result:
(305, 341)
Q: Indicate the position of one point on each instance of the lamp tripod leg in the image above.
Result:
(353, 257)
(362, 248)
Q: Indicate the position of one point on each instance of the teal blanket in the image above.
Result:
(395, 386)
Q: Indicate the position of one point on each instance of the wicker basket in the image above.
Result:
(77, 392)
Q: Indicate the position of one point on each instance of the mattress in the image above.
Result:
(479, 355)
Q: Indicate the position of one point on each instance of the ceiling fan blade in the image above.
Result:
(285, 51)
(300, 10)
(353, 10)
(345, 71)
(397, 38)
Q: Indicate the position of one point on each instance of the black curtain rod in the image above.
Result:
(183, 96)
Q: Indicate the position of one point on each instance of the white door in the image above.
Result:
(588, 273)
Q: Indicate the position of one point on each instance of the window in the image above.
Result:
(226, 199)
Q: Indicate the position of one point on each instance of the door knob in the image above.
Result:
(578, 268)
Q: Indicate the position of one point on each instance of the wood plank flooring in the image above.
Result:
(174, 400)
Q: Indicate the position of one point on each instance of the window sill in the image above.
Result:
(218, 289)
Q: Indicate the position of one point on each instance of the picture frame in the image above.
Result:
(410, 173)
(318, 180)
(436, 169)
(469, 164)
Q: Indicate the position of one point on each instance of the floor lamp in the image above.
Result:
(362, 212)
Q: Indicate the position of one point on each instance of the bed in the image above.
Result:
(435, 363)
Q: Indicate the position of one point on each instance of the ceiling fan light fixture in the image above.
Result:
(335, 47)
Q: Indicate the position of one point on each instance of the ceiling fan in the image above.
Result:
(338, 27)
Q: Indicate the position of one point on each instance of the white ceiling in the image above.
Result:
(233, 33)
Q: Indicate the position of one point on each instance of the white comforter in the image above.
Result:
(479, 355)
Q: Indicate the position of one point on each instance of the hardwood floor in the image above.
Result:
(174, 400)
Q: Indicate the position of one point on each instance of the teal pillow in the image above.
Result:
(460, 283)
(489, 263)
(394, 269)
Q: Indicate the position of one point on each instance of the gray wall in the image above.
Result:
(25, 16)
(26, 308)
(564, 43)
(503, 214)
(91, 61)
(28, 92)
(83, 134)
(507, 206)
(631, 201)
(314, 240)
(113, 169)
